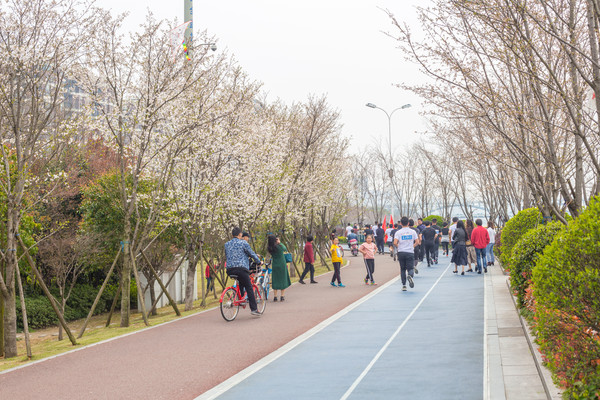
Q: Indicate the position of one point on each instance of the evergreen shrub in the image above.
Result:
(514, 229)
(525, 254)
(41, 315)
(566, 284)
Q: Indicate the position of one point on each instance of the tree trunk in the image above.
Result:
(3, 272)
(202, 276)
(126, 279)
(152, 296)
(24, 314)
(10, 311)
(62, 309)
(189, 282)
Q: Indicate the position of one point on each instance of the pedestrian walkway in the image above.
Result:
(510, 365)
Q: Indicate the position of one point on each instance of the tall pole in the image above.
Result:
(188, 15)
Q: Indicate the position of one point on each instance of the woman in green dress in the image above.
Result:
(281, 275)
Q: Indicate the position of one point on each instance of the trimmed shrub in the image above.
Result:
(516, 227)
(440, 219)
(567, 311)
(525, 254)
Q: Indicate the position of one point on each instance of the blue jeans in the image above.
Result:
(481, 259)
(490, 252)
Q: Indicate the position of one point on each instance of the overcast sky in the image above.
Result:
(331, 47)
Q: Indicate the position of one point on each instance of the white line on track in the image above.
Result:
(486, 366)
(263, 362)
(391, 339)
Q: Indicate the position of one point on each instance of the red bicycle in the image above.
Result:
(231, 299)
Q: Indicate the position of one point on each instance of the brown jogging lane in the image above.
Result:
(185, 358)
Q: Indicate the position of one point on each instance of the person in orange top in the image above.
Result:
(368, 250)
(480, 239)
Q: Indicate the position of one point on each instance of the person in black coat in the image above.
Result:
(380, 239)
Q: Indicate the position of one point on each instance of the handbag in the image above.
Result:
(288, 257)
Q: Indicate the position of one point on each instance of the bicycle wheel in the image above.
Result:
(261, 299)
(265, 286)
(229, 309)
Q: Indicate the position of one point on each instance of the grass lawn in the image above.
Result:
(44, 342)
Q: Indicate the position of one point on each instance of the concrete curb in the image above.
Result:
(552, 391)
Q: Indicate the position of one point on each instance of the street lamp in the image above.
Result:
(212, 46)
(389, 116)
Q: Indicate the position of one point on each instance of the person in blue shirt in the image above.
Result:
(238, 252)
(352, 235)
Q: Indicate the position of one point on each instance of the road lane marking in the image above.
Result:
(391, 339)
(269, 358)
(486, 366)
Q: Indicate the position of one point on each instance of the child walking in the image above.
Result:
(368, 251)
(336, 259)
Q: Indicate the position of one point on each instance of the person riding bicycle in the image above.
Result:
(352, 236)
(237, 252)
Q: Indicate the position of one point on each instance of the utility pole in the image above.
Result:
(188, 15)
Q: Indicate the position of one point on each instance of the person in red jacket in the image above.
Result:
(309, 261)
(209, 278)
(480, 239)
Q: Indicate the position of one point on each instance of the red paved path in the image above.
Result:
(183, 359)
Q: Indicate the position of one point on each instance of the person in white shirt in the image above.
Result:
(489, 250)
(453, 227)
(348, 230)
(405, 241)
(388, 234)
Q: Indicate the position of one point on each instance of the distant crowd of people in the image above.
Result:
(411, 243)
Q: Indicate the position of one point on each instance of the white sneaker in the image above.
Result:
(404, 288)
(411, 283)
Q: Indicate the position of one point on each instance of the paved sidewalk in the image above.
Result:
(510, 365)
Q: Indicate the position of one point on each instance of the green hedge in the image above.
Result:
(41, 315)
(525, 254)
(566, 287)
(440, 219)
(514, 229)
